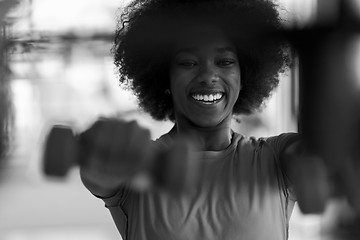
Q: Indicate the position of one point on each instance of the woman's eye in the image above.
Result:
(225, 62)
(187, 64)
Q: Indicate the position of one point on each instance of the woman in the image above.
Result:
(197, 63)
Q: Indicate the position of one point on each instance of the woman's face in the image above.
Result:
(204, 77)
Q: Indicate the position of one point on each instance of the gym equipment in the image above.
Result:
(172, 169)
(329, 116)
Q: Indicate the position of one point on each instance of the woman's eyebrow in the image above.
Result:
(226, 49)
(194, 50)
(186, 50)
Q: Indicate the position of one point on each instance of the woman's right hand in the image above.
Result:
(112, 153)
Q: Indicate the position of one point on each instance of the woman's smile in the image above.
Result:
(208, 99)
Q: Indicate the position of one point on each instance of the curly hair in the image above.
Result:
(147, 29)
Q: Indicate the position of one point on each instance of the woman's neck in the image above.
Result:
(215, 138)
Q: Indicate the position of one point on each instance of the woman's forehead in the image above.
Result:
(202, 36)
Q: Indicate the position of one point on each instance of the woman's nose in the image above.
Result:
(208, 74)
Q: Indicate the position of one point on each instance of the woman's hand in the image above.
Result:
(112, 153)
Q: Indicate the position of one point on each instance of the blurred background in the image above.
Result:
(56, 67)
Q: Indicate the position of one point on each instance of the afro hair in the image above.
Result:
(147, 29)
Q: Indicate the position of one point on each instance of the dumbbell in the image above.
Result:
(174, 169)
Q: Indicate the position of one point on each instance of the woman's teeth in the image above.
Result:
(207, 98)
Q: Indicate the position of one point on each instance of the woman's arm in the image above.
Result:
(307, 176)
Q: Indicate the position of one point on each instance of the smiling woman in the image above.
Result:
(197, 63)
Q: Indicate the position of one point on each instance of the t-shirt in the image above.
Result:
(244, 195)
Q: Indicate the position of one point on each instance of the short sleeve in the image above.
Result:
(280, 142)
(278, 145)
(115, 204)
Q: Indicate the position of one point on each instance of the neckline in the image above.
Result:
(235, 138)
(168, 138)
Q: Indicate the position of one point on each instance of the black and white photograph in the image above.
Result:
(179, 119)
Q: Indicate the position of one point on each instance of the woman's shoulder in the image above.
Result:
(164, 140)
(275, 142)
(281, 141)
